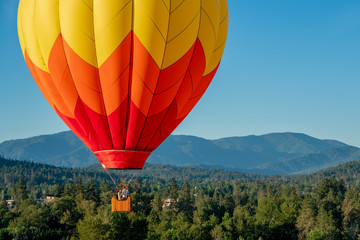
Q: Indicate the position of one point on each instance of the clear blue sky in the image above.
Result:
(289, 66)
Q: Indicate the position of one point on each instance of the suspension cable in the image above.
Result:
(133, 175)
(118, 175)
(110, 177)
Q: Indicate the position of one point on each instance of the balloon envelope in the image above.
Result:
(122, 74)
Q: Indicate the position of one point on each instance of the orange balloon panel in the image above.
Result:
(122, 74)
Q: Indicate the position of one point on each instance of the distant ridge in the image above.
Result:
(39, 173)
(274, 153)
(60, 149)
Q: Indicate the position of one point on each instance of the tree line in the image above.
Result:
(219, 210)
(202, 204)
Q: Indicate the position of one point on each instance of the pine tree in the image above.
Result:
(78, 186)
(59, 190)
(157, 203)
(4, 211)
(68, 189)
(351, 209)
(306, 219)
(174, 194)
(325, 227)
(186, 204)
(105, 186)
(92, 192)
(106, 192)
(120, 226)
(153, 220)
(93, 227)
(20, 192)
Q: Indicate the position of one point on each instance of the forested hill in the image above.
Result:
(349, 172)
(275, 153)
(203, 204)
(37, 174)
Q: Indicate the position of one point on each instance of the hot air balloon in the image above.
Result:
(122, 74)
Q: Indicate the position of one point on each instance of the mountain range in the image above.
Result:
(274, 153)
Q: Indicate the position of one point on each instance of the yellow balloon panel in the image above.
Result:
(77, 27)
(151, 19)
(157, 12)
(46, 20)
(221, 36)
(183, 31)
(224, 10)
(182, 17)
(175, 4)
(28, 29)
(212, 10)
(112, 23)
(207, 37)
(185, 39)
(213, 30)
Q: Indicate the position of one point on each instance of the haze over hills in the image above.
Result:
(275, 153)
